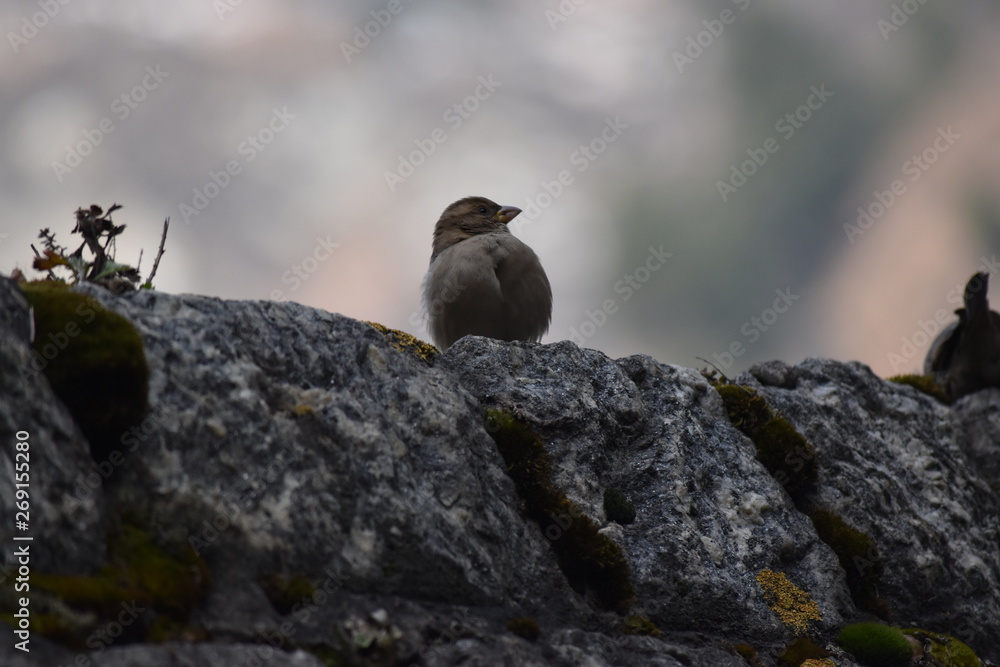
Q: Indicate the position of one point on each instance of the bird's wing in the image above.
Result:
(942, 350)
(462, 293)
(527, 295)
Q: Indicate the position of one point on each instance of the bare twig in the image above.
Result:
(88, 225)
(159, 253)
(728, 381)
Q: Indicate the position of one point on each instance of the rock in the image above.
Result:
(287, 444)
(901, 467)
(66, 521)
(709, 517)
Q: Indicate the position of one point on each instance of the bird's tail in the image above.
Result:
(976, 304)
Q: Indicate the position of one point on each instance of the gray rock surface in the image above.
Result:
(63, 527)
(900, 466)
(287, 440)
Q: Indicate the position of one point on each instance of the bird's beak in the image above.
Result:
(507, 213)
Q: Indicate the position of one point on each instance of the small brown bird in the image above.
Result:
(482, 280)
(966, 355)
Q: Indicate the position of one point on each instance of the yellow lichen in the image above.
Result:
(793, 605)
(405, 342)
(640, 625)
(820, 662)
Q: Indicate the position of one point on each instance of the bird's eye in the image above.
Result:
(482, 210)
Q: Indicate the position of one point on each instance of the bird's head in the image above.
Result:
(469, 217)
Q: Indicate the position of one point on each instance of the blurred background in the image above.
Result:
(735, 180)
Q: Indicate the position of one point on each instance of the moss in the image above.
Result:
(617, 507)
(857, 555)
(925, 383)
(165, 629)
(748, 411)
(785, 452)
(801, 650)
(330, 657)
(407, 343)
(876, 645)
(788, 456)
(794, 606)
(285, 592)
(947, 650)
(140, 574)
(525, 626)
(588, 559)
(818, 662)
(94, 361)
(640, 625)
(53, 626)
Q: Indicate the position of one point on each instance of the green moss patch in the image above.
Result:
(617, 507)
(947, 650)
(876, 645)
(588, 559)
(857, 555)
(925, 383)
(139, 577)
(786, 454)
(94, 361)
(329, 656)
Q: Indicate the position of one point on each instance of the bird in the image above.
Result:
(965, 357)
(483, 280)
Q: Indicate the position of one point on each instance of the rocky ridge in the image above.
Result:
(330, 493)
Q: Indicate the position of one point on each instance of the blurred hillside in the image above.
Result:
(305, 149)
